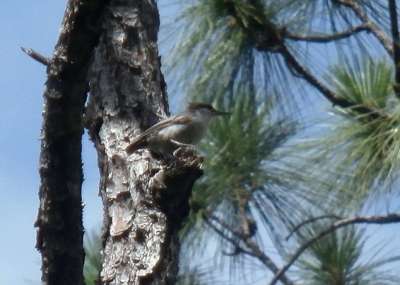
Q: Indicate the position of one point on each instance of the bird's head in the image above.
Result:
(205, 110)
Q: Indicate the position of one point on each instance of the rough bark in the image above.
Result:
(394, 24)
(59, 222)
(145, 198)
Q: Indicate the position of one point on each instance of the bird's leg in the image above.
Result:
(184, 149)
(179, 144)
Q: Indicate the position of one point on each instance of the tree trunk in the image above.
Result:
(59, 222)
(145, 199)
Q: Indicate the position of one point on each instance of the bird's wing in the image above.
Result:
(174, 120)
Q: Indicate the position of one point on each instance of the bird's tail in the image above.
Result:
(136, 144)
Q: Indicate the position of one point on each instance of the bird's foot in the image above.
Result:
(185, 151)
(189, 154)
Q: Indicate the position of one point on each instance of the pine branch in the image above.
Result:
(265, 36)
(325, 91)
(388, 219)
(327, 38)
(226, 237)
(381, 36)
(269, 38)
(308, 221)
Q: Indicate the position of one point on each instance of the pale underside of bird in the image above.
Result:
(183, 130)
(168, 135)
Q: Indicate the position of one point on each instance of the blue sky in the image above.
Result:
(35, 24)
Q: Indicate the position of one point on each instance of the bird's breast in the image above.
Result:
(187, 134)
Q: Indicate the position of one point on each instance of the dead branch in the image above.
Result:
(36, 56)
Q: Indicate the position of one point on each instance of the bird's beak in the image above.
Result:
(220, 113)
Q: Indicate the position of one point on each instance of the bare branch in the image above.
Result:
(388, 219)
(327, 38)
(36, 56)
(372, 27)
(396, 41)
(308, 221)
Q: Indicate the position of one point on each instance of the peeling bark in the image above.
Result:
(145, 198)
(59, 222)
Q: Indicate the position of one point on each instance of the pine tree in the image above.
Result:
(268, 61)
(109, 49)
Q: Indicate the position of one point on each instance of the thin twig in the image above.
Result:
(372, 27)
(390, 218)
(396, 41)
(253, 249)
(327, 38)
(308, 221)
(36, 56)
(234, 242)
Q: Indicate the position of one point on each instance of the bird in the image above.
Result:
(183, 130)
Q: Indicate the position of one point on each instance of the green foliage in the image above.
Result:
(251, 168)
(247, 172)
(93, 259)
(244, 13)
(360, 151)
(338, 259)
(237, 156)
(364, 82)
(215, 52)
(210, 34)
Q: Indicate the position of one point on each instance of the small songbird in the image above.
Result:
(186, 129)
